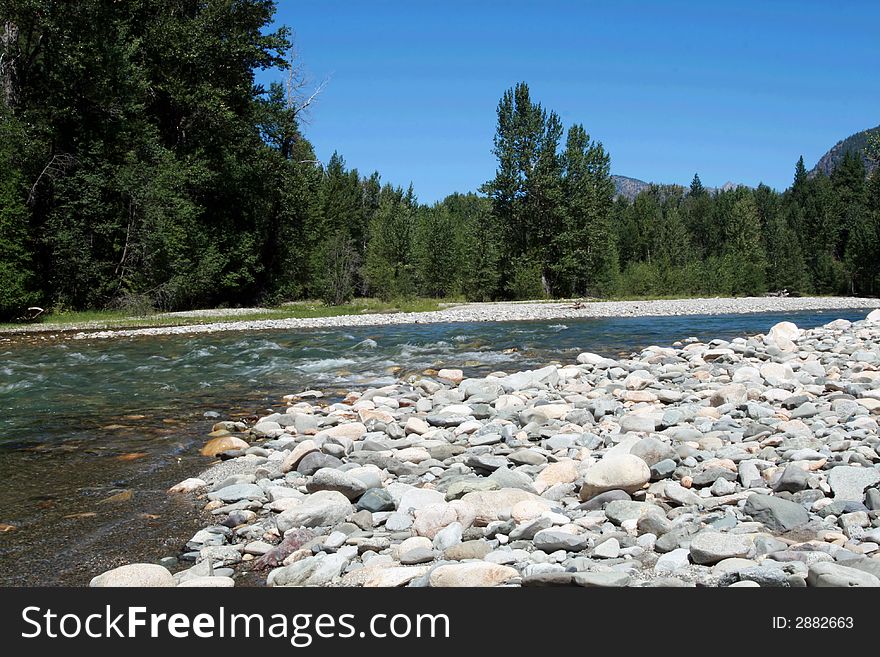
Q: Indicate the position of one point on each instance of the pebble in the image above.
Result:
(668, 467)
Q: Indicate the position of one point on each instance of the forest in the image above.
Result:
(142, 164)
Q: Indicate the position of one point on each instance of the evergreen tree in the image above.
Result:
(744, 250)
(586, 260)
(697, 190)
(389, 270)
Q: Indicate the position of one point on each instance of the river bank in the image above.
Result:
(261, 319)
(749, 462)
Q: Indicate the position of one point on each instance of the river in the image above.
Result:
(92, 433)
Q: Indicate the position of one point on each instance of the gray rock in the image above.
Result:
(849, 483)
(331, 479)
(672, 562)
(827, 574)
(792, 480)
(711, 547)
(599, 501)
(417, 549)
(652, 451)
(314, 461)
(776, 513)
(608, 579)
(238, 492)
(312, 571)
(607, 549)
(321, 509)
(551, 540)
(375, 500)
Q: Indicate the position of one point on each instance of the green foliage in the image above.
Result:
(142, 167)
(16, 276)
(340, 267)
(389, 270)
(526, 280)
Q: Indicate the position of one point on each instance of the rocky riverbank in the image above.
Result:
(753, 462)
(514, 311)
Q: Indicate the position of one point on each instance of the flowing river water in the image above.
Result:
(92, 432)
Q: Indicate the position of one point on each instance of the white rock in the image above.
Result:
(188, 485)
(479, 573)
(621, 471)
(134, 575)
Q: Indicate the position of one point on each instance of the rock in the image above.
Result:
(320, 509)
(849, 483)
(792, 480)
(238, 492)
(777, 374)
(329, 479)
(827, 574)
(349, 430)
(448, 536)
(672, 562)
(608, 549)
(459, 489)
(188, 485)
(711, 547)
(873, 317)
(294, 539)
(134, 575)
(217, 446)
(467, 550)
(637, 423)
(395, 576)
(619, 472)
(620, 511)
(735, 394)
(455, 376)
(208, 582)
(784, 334)
(311, 571)
(609, 579)
(430, 520)
(561, 472)
(548, 579)
(314, 461)
(776, 513)
(418, 498)
(495, 504)
(652, 451)
(292, 460)
(595, 360)
(602, 499)
(476, 574)
(550, 540)
(415, 550)
(376, 500)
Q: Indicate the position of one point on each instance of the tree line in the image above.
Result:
(142, 163)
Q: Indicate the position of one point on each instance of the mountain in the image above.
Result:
(628, 187)
(631, 187)
(852, 144)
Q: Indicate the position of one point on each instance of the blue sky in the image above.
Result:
(732, 90)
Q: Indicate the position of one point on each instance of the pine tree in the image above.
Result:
(744, 250)
(586, 258)
(697, 190)
(389, 270)
(800, 175)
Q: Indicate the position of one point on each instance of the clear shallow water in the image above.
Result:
(81, 421)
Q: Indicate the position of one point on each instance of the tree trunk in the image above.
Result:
(8, 41)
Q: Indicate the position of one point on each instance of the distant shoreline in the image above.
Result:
(508, 311)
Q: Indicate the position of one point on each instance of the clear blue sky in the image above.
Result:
(732, 90)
